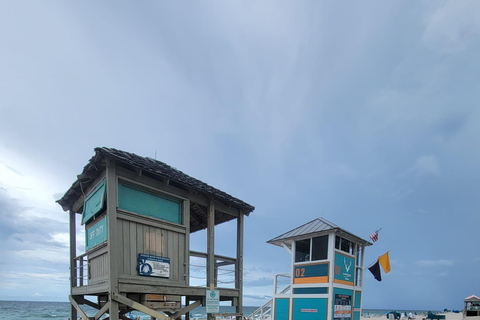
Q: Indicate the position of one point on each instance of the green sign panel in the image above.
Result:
(94, 202)
(96, 234)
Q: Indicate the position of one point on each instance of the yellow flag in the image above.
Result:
(385, 262)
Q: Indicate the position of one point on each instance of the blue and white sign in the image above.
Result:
(213, 301)
(153, 266)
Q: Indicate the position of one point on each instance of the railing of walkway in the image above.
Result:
(265, 311)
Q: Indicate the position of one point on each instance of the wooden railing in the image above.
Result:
(91, 266)
(224, 276)
(265, 311)
(80, 265)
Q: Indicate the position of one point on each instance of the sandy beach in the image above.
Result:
(448, 316)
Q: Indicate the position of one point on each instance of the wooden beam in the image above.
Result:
(219, 206)
(73, 263)
(186, 223)
(77, 307)
(102, 311)
(239, 265)
(137, 306)
(82, 300)
(112, 241)
(174, 290)
(190, 307)
(211, 245)
(225, 263)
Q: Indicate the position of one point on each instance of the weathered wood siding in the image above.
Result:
(140, 235)
(98, 266)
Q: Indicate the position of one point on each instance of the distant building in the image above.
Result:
(472, 307)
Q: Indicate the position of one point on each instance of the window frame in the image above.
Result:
(310, 253)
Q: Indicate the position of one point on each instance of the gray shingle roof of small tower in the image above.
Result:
(317, 226)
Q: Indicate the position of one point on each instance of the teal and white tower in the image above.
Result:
(326, 273)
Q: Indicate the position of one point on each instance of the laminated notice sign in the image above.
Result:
(212, 298)
(153, 266)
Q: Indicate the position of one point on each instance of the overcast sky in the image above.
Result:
(365, 113)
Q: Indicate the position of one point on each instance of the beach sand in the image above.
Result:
(448, 316)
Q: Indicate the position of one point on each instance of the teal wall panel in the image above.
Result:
(94, 202)
(309, 308)
(358, 299)
(96, 234)
(344, 268)
(318, 290)
(149, 204)
(282, 309)
(356, 315)
(342, 304)
(314, 270)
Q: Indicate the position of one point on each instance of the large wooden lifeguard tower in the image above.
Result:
(138, 215)
(326, 274)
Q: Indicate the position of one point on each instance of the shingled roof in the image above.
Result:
(316, 227)
(147, 165)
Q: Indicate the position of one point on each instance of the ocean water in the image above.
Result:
(33, 310)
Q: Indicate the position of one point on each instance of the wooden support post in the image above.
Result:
(186, 310)
(81, 273)
(77, 307)
(187, 301)
(239, 266)
(112, 243)
(104, 309)
(73, 264)
(186, 221)
(211, 245)
(211, 249)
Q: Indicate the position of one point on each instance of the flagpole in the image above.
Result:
(377, 232)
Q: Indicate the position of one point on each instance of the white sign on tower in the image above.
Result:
(213, 301)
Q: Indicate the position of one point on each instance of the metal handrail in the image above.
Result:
(267, 307)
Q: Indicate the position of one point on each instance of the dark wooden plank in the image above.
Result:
(126, 246)
(133, 248)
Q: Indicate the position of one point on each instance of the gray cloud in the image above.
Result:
(260, 282)
(434, 263)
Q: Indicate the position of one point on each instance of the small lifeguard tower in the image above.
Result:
(138, 214)
(471, 310)
(326, 274)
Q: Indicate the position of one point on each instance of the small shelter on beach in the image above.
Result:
(472, 307)
(326, 274)
(138, 214)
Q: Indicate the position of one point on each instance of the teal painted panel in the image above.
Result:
(149, 204)
(358, 299)
(321, 290)
(315, 270)
(309, 308)
(94, 202)
(344, 267)
(282, 309)
(356, 315)
(96, 234)
(342, 304)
